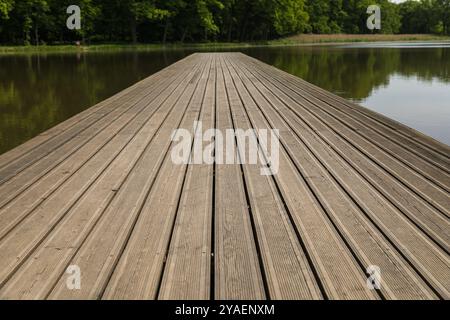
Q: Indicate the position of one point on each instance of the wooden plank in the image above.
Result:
(427, 258)
(399, 280)
(104, 174)
(237, 271)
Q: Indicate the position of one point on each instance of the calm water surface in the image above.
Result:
(409, 83)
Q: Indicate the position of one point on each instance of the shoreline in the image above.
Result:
(299, 40)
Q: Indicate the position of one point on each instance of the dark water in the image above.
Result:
(409, 84)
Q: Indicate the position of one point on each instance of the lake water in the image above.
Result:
(409, 82)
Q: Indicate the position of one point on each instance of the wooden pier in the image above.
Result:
(100, 192)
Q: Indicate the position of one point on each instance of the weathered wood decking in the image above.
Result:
(100, 191)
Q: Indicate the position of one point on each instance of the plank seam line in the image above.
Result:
(212, 280)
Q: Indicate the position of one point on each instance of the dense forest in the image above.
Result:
(44, 21)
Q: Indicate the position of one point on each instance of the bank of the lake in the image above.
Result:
(110, 47)
(302, 39)
(349, 38)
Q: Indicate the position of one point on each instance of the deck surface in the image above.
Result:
(100, 191)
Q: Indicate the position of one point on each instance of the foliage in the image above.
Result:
(5, 7)
(43, 21)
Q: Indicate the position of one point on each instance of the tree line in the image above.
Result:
(44, 21)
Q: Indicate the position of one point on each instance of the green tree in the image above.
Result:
(425, 16)
(35, 21)
(412, 20)
(90, 11)
(5, 7)
(289, 17)
(29, 16)
(327, 16)
(205, 11)
(390, 17)
(139, 11)
(443, 14)
(173, 8)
